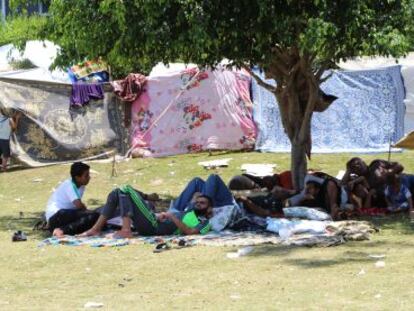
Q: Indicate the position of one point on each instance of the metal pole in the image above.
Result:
(3, 10)
(389, 150)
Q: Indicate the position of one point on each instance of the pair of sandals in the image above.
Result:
(164, 246)
(19, 236)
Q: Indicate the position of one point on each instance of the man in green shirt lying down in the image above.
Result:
(128, 203)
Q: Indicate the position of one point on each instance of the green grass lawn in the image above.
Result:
(134, 278)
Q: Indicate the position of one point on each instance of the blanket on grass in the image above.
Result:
(336, 233)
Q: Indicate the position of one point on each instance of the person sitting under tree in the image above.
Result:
(321, 191)
(397, 196)
(65, 211)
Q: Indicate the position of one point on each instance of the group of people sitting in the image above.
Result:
(212, 205)
(381, 184)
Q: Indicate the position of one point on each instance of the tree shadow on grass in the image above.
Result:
(95, 203)
(400, 223)
(16, 168)
(345, 257)
(323, 263)
(26, 224)
(379, 243)
(274, 250)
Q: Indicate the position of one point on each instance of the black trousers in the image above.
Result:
(121, 204)
(72, 221)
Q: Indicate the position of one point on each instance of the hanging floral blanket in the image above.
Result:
(191, 111)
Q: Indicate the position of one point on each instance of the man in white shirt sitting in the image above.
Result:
(65, 211)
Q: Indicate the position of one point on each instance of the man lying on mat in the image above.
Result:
(128, 203)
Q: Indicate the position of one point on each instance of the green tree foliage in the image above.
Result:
(294, 41)
(18, 30)
(19, 26)
(135, 33)
(22, 64)
(90, 29)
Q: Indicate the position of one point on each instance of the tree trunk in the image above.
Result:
(298, 164)
(298, 96)
(297, 127)
(296, 122)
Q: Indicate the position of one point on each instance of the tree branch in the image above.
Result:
(292, 74)
(313, 93)
(322, 80)
(279, 65)
(281, 54)
(260, 81)
(320, 72)
(284, 115)
(324, 66)
(281, 60)
(311, 58)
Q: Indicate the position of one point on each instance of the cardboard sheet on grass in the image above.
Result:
(191, 111)
(49, 133)
(337, 233)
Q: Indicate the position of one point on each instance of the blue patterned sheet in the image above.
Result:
(223, 238)
(368, 113)
(337, 232)
(93, 241)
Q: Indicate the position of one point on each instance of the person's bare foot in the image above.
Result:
(90, 232)
(123, 234)
(58, 233)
